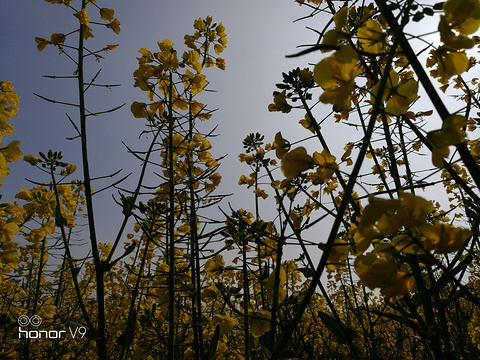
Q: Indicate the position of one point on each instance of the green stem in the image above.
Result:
(195, 249)
(246, 301)
(99, 271)
(171, 227)
(73, 271)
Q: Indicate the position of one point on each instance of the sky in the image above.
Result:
(259, 34)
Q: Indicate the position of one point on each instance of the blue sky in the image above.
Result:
(259, 33)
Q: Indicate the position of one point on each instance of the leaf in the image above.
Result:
(342, 333)
(418, 16)
(210, 355)
(307, 272)
(127, 336)
(428, 11)
(400, 319)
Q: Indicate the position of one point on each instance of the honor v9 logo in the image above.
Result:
(33, 324)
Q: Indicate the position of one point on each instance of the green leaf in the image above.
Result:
(342, 333)
(307, 272)
(212, 349)
(428, 11)
(418, 16)
(400, 319)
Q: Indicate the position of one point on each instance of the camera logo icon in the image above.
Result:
(34, 320)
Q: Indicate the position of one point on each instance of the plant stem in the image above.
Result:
(99, 272)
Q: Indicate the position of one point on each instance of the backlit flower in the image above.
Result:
(280, 103)
(451, 133)
(444, 238)
(336, 75)
(376, 269)
(215, 265)
(281, 145)
(260, 322)
(399, 95)
(295, 162)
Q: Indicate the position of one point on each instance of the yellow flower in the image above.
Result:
(6, 86)
(336, 75)
(371, 37)
(308, 124)
(399, 286)
(69, 169)
(316, 2)
(462, 18)
(443, 238)
(413, 209)
(146, 57)
(449, 63)
(399, 96)
(82, 17)
(280, 103)
(260, 193)
(338, 255)
(209, 62)
(451, 133)
(220, 63)
(210, 293)
(215, 265)
(220, 30)
(168, 57)
(270, 286)
(139, 110)
(194, 82)
(199, 25)
(12, 152)
(191, 58)
(475, 150)
(222, 41)
(180, 103)
(9, 254)
(31, 159)
(87, 34)
(41, 43)
(218, 49)
(376, 269)
(7, 231)
(326, 166)
(216, 178)
(281, 145)
(295, 162)
(260, 322)
(115, 26)
(226, 322)
(57, 39)
(106, 14)
(296, 219)
(378, 218)
(190, 41)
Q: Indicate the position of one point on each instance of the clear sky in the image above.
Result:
(259, 33)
